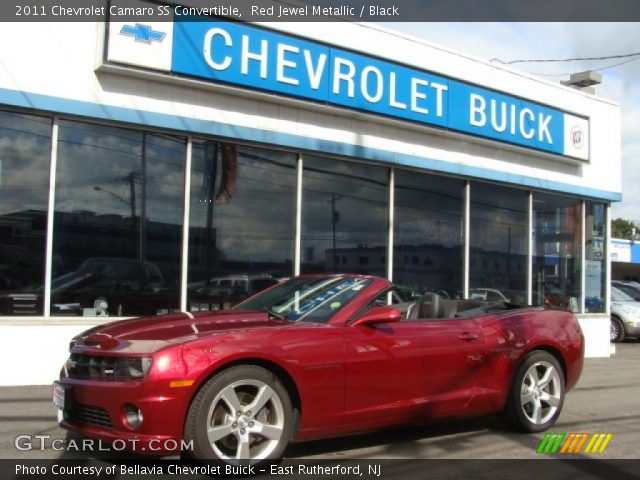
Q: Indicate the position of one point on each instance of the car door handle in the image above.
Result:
(467, 337)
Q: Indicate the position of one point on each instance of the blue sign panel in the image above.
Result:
(490, 114)
(243, 55)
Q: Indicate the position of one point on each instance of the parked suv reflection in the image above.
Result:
(129, 287)
(102, 287)
(225, 291)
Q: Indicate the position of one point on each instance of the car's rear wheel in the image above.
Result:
(241, 415)
(537, 393)
(616, 329)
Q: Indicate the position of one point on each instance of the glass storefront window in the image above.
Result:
(498, 244)
(241, 230)
(428, 233)
(25, 145)
(118, 221)
(344, 217)
(556, 251)
(595, 274)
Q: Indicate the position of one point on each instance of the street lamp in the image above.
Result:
(116, 196)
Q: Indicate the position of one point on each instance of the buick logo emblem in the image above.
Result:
(577, 137)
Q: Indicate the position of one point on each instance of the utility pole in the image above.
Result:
(131, 178)
(509, 260)
(132, 203)
(335, 218)
(211, 155)
(143, 199)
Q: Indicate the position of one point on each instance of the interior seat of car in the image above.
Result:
(431, 305)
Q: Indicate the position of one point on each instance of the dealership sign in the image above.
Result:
(250, 57)
(620, 250)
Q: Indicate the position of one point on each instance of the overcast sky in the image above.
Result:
(513, 41)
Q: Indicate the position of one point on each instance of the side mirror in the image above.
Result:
(378, 315)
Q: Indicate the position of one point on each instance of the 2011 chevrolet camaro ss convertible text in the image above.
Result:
(315, 356)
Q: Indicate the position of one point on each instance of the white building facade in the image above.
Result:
(167, 166)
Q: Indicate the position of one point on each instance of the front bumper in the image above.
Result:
(632, 328)
(97, 410)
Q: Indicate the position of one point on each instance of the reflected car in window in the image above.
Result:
(488, 294)
(226, 291)
(17, 259)
(402, 298)
(125, 285)
(101, 287)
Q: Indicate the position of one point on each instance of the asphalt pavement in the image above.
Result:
(606, 400)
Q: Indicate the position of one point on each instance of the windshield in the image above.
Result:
(632, 292)
(307, 299)
(619, 295)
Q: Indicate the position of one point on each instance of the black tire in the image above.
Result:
(210, 405)
(616, 332)
(520, 416)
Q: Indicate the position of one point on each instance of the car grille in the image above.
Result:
(91, 367)
(89, 415)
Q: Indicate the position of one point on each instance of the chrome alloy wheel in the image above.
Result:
(245, 421)
(614, 330)
(540, 392)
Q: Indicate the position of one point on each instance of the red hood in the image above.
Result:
(148, 334)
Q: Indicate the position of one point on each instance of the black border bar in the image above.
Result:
(330, 10)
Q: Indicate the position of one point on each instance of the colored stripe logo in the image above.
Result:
(574, 443)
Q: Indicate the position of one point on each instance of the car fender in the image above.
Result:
(511, 337)
(314, 368)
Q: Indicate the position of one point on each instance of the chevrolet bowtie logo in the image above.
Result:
(142, 33)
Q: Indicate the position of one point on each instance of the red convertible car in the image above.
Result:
(318, 355)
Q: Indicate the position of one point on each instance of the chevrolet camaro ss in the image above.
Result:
(315, 356)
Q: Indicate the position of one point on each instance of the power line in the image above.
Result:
(599, 69)
(575, 59)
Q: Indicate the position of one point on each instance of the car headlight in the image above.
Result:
(125, 368)
(98, 367)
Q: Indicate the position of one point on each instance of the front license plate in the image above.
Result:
(60, 396)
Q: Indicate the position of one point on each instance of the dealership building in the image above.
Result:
(153, 167)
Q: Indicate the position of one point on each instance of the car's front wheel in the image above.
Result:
(616, 330)
(537, 393)
(241, 415)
